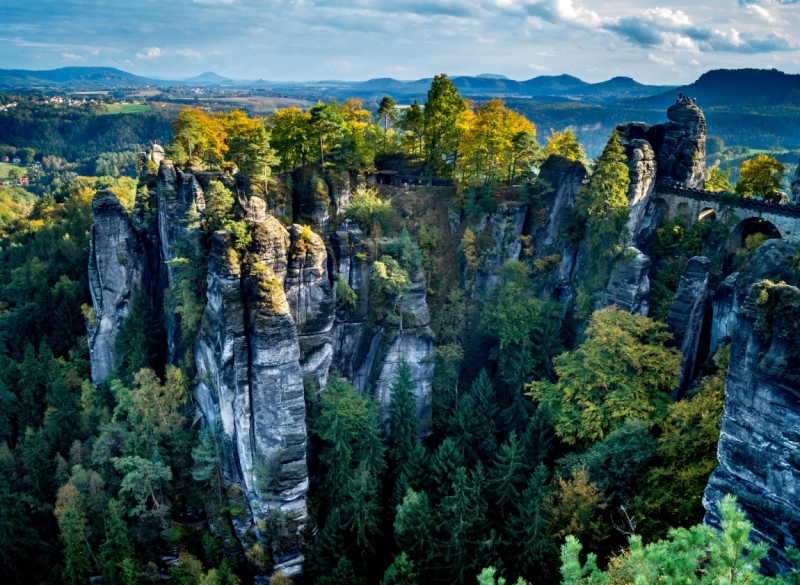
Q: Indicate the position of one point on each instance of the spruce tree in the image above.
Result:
(507, 474)
(116, 549)
(605, 198)
(62, 420)
(462, 517)
(414, 526)
(527, 528)
(403, 422)
(444, 464)
(400, 572)
(31, 387)
(361, 510)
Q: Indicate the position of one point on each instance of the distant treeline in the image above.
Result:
(78, 132)
(593, 123)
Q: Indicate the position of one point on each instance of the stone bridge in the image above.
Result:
(746, 214)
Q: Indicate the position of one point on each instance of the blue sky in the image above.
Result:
(651, 41)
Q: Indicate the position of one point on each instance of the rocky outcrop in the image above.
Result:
(115, 276)
(312, 302)
(759, 445)
(680, 146)
(180, 202)
(629, 286)
(796, 184)
(642, 172)
(685, 317)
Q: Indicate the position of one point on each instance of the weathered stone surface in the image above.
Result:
(222, 358)
(796, 184)
(685, 317)
(416, 347)
(642, 165)
(759, 444)
(312, 301)
(340, 190)
(680, 146)
(629, 287)
(180, 201)
(547, 220)
(115, 275)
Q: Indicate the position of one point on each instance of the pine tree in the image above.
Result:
(538, 438)
(527, 527)
(507, 474)
(400, 572)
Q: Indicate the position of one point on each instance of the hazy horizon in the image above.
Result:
(302, 40)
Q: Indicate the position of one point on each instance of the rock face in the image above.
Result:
(115, 275)
(642, 165)
(685, 318)
(796, 184)
(629, 286)
(271, 326)
(759, 444)
(680, 146)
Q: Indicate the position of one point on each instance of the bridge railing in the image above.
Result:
(790, 210)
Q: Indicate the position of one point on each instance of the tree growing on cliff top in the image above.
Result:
(622, 370)
(760, 177)
(605, 198)
(445, 114)
(565, 144)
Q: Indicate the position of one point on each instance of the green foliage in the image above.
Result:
(605, 201)
(400, 572)
(389, 277)
(219, 205)
(622, 370)
(404, 250)
(760, 177)
(345, 293)
(369, 209)
(698, 555)
(444, 115)
(718, 180)
(565, 144)
(140, 340)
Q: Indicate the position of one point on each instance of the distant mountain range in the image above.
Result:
(722, 87)
(734, 88)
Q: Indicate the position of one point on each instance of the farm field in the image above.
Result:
(6, 167)
(112, 109)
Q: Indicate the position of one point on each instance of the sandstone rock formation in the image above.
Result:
(629, 286)
(115, 276)
(796, 184)
(759, 446)
(642, 165)
(680, 146)
(685, 318)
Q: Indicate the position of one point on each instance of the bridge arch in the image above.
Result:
(750, 226)
(707, 214)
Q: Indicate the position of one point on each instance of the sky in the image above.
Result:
(652, 41)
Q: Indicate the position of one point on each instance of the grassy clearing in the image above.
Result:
(112, 109)
(5, 167)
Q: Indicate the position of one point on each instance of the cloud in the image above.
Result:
(558, 11)
(674, 30)
(151, 53)
(72, 57)
(760, 12)
(660, 60)
(540, 68)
